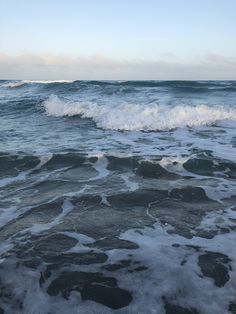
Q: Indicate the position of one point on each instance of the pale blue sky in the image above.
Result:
(109, 34)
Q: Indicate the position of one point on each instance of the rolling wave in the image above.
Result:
(16, 84)
(182, 86)
(135, 117)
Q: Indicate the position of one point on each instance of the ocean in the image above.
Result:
(118, 196)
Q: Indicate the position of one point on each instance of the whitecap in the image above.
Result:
(136, 117)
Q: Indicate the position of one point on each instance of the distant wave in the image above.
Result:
(181, 86)
(16, 84)
(135, 117)
(48, 81)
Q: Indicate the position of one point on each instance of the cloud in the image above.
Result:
(47, 66)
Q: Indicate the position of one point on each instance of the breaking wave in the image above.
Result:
(136, 117)
(16, 84)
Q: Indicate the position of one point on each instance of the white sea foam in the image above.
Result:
(15, 84)
(135, 117)
(130, 185)
(183, 286)
(48, 81)
(66, 208)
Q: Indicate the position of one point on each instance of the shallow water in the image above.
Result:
(118, 196)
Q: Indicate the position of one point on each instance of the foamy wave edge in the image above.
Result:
(21, 83)
(135, 117)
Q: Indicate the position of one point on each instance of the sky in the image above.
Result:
(123, 39)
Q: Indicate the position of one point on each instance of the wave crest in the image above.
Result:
(135, 117)
(16, 84)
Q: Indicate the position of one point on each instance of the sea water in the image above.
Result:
(118, 196)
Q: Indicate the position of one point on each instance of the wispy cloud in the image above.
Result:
(47, 66)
